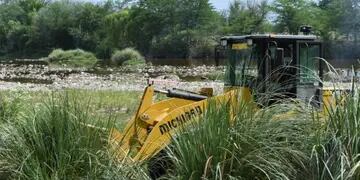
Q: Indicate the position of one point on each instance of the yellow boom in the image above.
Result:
(151, 128)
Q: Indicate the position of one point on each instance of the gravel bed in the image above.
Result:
(39, 77)
(43, 78)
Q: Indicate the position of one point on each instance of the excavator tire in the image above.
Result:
(159, 165)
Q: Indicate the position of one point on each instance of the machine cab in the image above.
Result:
(275, 66)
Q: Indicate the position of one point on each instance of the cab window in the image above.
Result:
(309, 63)
(241, 66)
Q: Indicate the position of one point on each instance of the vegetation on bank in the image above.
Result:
(72, 58)
(81, 58)
(127, 56)
(161, 28)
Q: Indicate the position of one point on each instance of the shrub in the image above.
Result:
(75, 58)
(53, 142)
(128, 56)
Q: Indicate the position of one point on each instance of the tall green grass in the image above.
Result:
(337, 156)
(53, 141)
(120, 105)
(10, 107)
(288, 140)
(255, 146)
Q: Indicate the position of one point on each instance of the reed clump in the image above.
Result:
(53, 141)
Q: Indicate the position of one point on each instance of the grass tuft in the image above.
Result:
(53, 141)
(127, 56)
(73, 58)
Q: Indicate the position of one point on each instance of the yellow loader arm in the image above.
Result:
(153, 125)
(150, 130)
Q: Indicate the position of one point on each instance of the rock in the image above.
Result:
(169, 77)
(204, 78)
(151, 70)
(124, 110)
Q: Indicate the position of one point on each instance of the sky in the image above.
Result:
(220, 4)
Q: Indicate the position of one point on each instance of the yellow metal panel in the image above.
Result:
(328, 101)
(150, 130)
(167, 126)
(239, 46)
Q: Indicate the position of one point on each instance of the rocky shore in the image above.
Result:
(131, 78)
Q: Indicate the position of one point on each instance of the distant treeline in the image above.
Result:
(343, 53)
(162, 28)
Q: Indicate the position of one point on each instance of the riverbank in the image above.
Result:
(129, 78)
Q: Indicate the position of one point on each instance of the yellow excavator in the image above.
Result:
(276, 66)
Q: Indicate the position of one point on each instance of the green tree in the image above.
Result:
(150, 20)
(291, 14)
(350, 18)
(340, 17)
(89, 26)
(247, 17)
(196, 23)
(116, 24)
(52, 25)
(170, 27)
(13, 29)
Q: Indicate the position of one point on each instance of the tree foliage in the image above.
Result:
(162, 28)
(343, 17)
(292, 14)
(247, 17)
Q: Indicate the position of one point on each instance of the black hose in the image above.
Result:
(185, 95)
